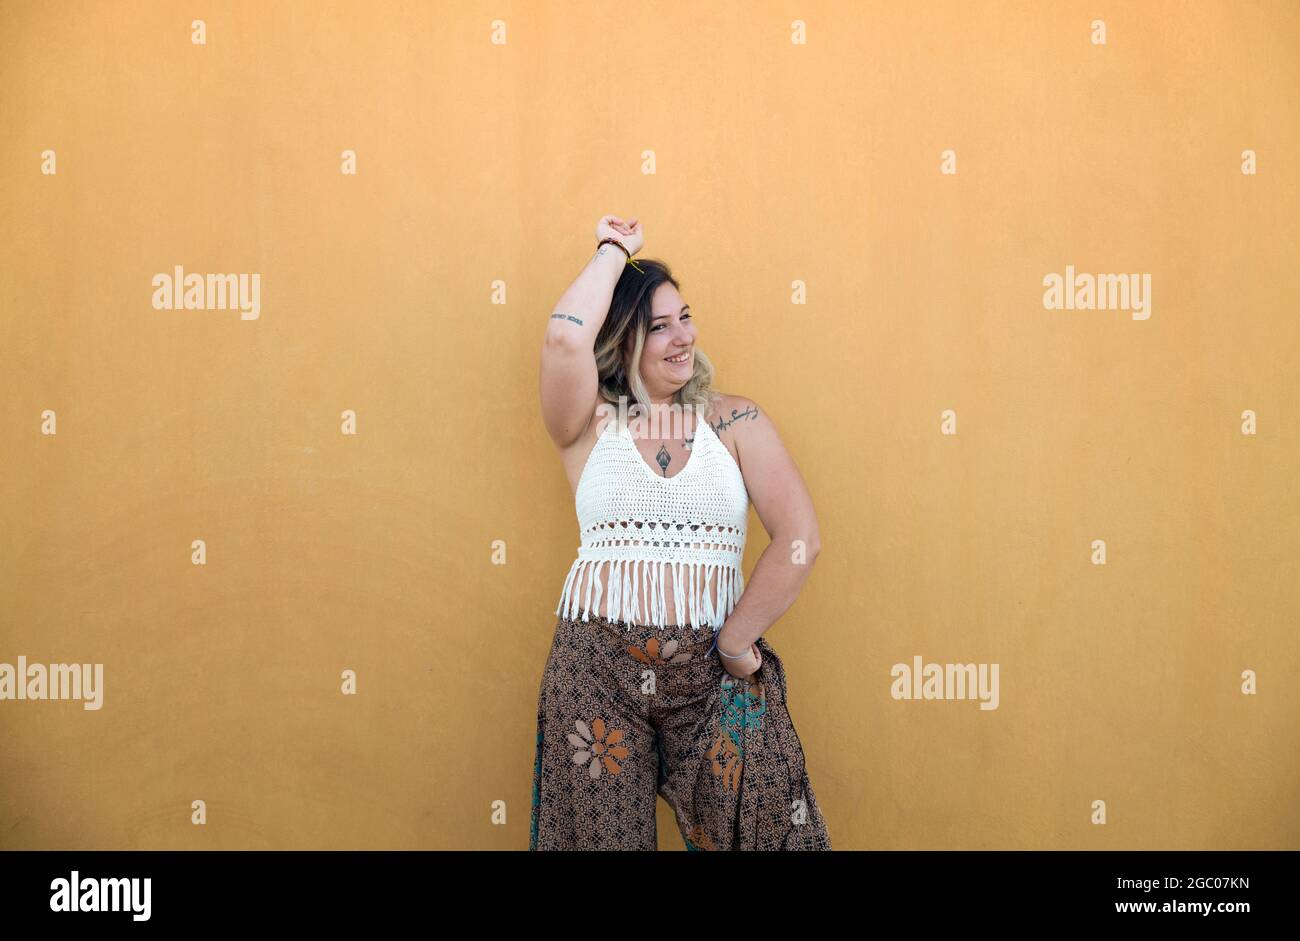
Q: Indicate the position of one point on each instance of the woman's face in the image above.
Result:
(668, 359)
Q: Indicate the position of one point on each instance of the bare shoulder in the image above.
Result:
(732, 414)
(733, 419)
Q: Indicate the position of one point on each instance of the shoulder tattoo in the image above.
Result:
(749, 414)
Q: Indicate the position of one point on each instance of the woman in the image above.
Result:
(658, 680)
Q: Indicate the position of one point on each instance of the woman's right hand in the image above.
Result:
(629, 233)
(744, 667)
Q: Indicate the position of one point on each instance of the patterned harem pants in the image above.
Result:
(628, 713)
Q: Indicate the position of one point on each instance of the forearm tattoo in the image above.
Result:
(750, 412)
(566, 317)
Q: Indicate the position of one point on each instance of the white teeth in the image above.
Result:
(678, 360)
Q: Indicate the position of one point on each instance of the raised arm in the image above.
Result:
(568, 371)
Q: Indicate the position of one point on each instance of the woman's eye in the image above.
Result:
(658, 325)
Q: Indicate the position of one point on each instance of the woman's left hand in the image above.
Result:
(745, 666)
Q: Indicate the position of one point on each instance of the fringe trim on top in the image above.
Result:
(638, 588)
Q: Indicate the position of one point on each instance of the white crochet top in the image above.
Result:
(637, 523)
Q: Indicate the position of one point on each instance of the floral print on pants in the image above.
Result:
(629, 713)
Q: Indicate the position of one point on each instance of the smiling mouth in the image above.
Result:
(678, 360)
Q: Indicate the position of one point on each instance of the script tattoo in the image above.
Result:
(750, 412)
(566, 317)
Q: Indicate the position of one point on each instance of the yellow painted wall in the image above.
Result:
(481, 161)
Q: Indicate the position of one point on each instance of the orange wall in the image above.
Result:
(774, 162)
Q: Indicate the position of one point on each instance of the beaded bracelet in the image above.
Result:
(625, 252)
